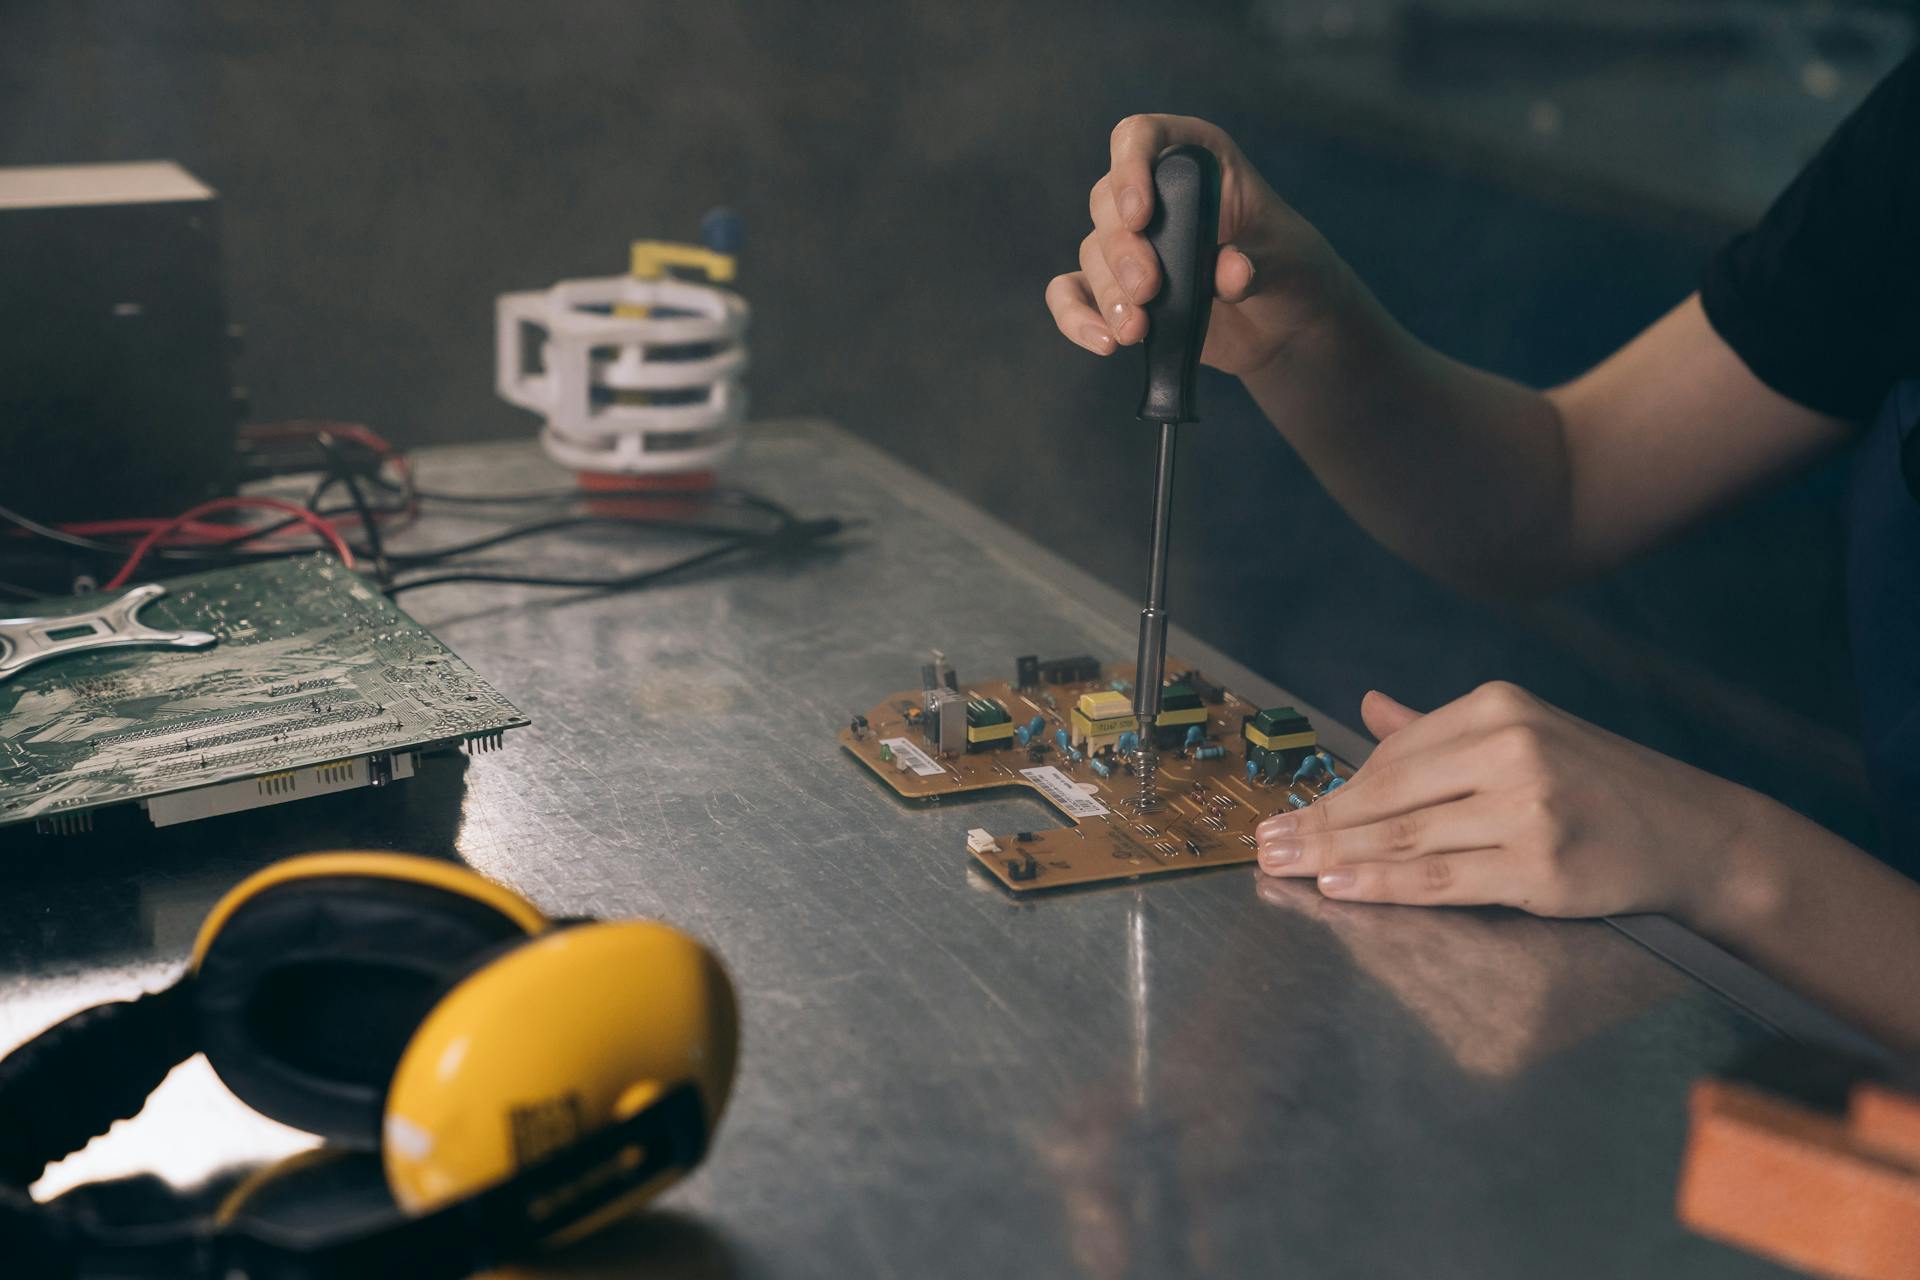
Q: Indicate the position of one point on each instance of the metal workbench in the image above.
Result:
(1208, 1075)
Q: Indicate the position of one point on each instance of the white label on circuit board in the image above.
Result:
(916, 759)
(1060, 789)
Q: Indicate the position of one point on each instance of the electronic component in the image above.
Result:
(1026, 671)
(937, 673)
(988, 724)
(1315, 764)
(1210, 693)
(1207, 821)
(1099, 718)
(858, 725)
(1180, 709)
(946, 720)
(316, 684)
(980, 841)
(1078, 670)
(1032, 729)
(1276, 741)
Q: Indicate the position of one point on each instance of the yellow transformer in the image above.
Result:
(1180, 709)
(1100, 718)
(988, 724)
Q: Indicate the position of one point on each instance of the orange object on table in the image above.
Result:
(1834, 1194)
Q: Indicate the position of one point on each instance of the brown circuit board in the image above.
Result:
(1207, 816)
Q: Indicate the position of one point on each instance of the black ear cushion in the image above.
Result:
(311, 990)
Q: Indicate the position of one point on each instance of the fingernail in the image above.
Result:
(1096, 338)
(1131, 273)
(1280, 824)
(1278, 853)
(1132, 206)
(1122, 320)
(1248, 287)
(1336, 881)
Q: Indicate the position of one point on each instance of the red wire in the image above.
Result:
(146, 544)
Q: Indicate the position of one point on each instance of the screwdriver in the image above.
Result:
(1182, 231)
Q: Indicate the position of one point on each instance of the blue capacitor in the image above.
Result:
(1037, 726)
(1253, 770)
(1196, 735)
(1101, 767)
(1061, 740)
(1333, 784)
(1273, 768)
(1312, 767)
(1023, 735)
(1208, 753)
(1129, 742)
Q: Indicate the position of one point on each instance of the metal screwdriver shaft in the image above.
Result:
(1186, 217)
(1150, 669)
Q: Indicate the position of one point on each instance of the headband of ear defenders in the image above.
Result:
(307, 983)
(466, 1236)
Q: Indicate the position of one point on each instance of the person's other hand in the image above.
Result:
(1274, 279)
(1499, 798)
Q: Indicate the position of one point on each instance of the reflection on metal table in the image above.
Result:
(1213, 1074)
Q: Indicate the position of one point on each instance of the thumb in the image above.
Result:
(1384, 716)
(1232, 274)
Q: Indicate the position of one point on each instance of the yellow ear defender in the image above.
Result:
(523, 1080)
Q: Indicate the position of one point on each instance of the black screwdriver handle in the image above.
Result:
(1182, 231)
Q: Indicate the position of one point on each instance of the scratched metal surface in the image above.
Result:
(1204, 1076)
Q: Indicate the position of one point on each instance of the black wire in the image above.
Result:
(19, 592)
(233, 551)
(790, 531)
(343, 472)
(496, 499)
(738, 497)
(437, 555)
(119, 550)
(61, 536)
(625, 582)
(382, 570)
(802, 534)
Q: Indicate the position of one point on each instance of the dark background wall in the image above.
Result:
(910, 175)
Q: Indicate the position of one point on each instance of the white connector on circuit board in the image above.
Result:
(980, 841)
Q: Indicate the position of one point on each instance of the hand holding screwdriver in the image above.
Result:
(1275, 275)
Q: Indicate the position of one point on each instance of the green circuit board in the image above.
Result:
(316, 681)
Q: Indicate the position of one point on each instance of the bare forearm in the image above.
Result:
(1462, 473)
(1482, 482)
(1823, 917)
